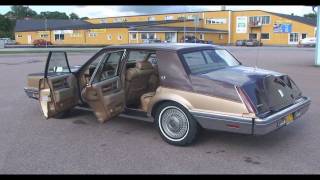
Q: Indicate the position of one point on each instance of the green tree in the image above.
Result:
(310, 15)
(73, 16)
(20, 12)
(53, 15)
(6, 28)
(84, 18)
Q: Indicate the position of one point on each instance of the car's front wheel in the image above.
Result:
(175, 124)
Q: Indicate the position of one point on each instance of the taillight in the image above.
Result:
(246, 100)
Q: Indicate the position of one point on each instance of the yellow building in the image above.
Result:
(219, 27)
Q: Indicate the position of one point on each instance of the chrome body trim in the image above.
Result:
(223, 122)
(254, 126)
(265, 125)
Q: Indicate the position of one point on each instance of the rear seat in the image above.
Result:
(145, 99)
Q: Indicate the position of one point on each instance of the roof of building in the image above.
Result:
(163, 46)
(52, 24)
(305, 20)
(175, 29)
(57, 24)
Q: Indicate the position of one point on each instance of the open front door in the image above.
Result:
(58, 88)
(105, 93)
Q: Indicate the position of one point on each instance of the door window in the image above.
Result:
(57, 63)
(108, 67)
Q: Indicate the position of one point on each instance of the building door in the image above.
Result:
(293, 38)
(252, 35)
(29, 39)
(171, 37)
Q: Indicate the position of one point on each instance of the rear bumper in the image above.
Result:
(275, 121)
(32, 92)
(245, 125)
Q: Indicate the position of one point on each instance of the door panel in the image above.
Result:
(105, 93)
(58, 94)
(106, 98)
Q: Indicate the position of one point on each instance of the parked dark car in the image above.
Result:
(240, 42)
(182, 88)
(253, 42)
(193, 39)
(41, 42)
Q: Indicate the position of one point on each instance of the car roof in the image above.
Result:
(164, 46)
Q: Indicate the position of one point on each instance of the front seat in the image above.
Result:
(137, 81)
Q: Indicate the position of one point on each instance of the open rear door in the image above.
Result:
(58, 88)
(105, 93)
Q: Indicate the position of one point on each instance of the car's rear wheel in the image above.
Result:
(175, 124)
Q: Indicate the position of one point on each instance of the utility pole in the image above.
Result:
(317, 60)
(184, 27)
(46, 27)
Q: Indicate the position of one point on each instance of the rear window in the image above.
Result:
(136, 56)
(207, 60)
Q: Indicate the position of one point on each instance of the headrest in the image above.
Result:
(142, 65)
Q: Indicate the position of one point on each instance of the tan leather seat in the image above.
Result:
(145, 100)
(153, 80)
(137, 80)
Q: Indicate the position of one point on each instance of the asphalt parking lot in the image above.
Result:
(79, 144)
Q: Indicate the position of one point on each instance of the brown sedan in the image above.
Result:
(180, 87)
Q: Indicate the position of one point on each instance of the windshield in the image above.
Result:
(207, 60)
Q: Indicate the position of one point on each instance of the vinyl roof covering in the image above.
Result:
(58, 24)
(175, 29)
(164, 46)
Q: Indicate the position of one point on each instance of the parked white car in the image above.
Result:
(311, 42)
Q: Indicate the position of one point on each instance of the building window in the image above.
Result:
(119, 37)
(168, 18)
(59, 37)
(133, 36)
(44, 35)
(220, 36)
(151, 18)
(216, 21)
(255, 20)
(265, 19)
(103, 21)
(75, 34)
(293, 38)
(148, 36)
(201, 36)
(92, 34)
(109, 37)
(265, 36)
(19, 36)
(303, 35)
(190, 17)
(119, 20)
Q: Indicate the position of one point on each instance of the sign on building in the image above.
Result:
(282, 28)
(242, 24)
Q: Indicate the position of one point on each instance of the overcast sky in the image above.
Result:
(109, 11)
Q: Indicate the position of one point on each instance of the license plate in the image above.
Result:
(289, 118)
